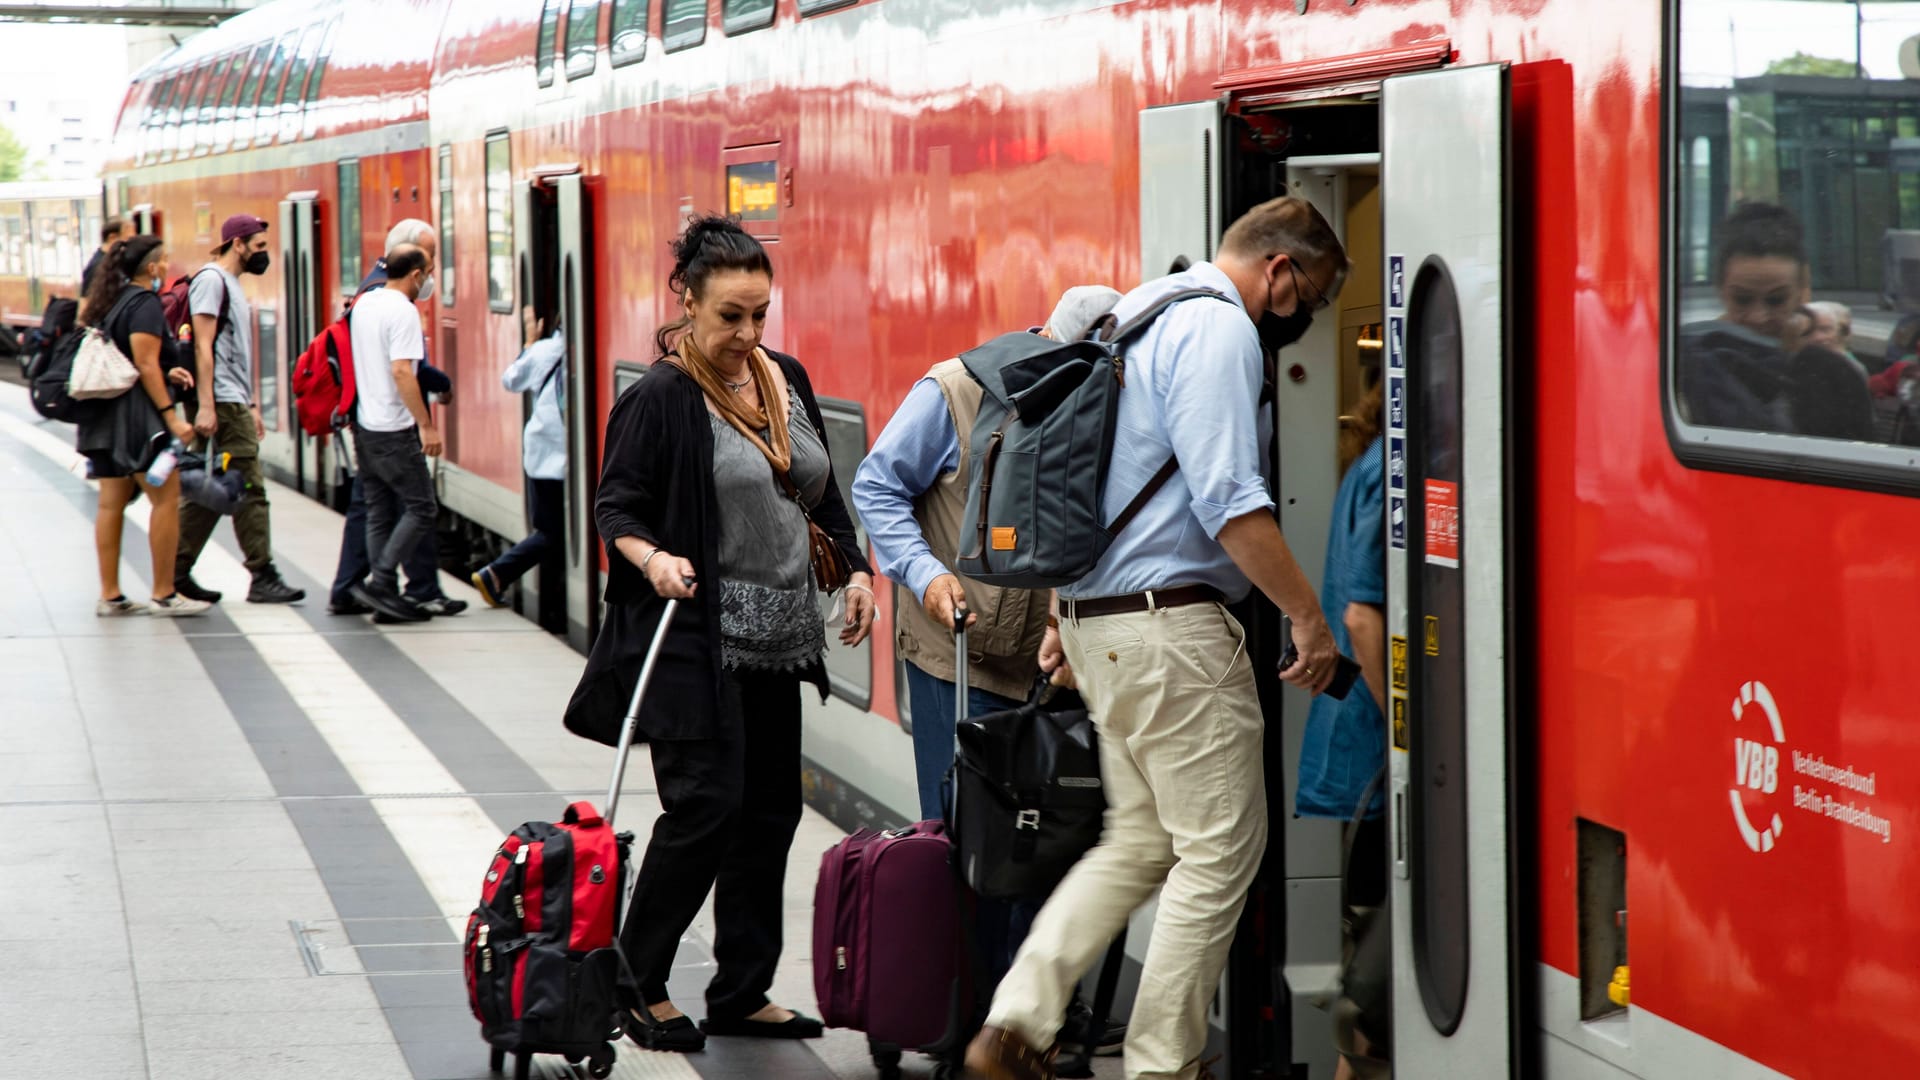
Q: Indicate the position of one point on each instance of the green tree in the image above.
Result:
(13, 155)
(1802, 64)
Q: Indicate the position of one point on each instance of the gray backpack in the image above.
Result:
(1040, 450)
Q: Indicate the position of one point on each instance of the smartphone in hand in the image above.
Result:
(1346, 672)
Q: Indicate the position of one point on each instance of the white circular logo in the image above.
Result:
(1756, 765)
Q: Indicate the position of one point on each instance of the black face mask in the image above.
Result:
(258, 262)
(1279, 331)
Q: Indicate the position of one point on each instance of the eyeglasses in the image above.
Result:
(1320, 298)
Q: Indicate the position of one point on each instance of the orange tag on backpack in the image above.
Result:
(1003, 538)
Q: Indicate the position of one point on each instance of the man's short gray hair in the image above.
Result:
(407, 232)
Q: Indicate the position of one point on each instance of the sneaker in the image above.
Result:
(489, 587)
(270, 588)
(441, 605)
(388, 602)
(118, 606)
(349, 606)
(184, 585)
(178, 606)
(998, 1054)
(384, 619)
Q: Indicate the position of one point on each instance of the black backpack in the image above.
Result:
(1040, 451)
(48, 376)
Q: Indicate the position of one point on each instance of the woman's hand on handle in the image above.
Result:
(672, 576)
(859, 610)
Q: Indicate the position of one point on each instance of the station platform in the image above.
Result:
(245, 844)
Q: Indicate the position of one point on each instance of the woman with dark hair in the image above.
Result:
(124, 304)
(715, 463)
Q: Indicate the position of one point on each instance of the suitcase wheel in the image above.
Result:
(497, 1061)
(523, 1066)
(887, 1060)
(600, 1063)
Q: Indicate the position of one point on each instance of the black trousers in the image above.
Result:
(731, 807)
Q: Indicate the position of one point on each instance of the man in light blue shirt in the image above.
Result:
(1163, 665)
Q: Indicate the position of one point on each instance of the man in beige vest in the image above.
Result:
(911, 494)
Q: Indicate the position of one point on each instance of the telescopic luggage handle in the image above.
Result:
(959, 670)
(633, 707)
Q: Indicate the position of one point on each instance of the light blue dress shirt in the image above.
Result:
(541, 367)
(1192, 391)
(916, 448)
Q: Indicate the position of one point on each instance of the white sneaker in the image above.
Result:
(109, 609)
(178, 607)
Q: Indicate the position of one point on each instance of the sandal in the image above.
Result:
(677, 1036)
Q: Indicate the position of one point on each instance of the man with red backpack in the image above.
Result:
(219, 322)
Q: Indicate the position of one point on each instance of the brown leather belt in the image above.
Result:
(1152, 600)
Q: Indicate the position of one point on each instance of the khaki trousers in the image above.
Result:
(1172, 695)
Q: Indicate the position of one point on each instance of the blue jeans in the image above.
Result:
(549, 521)
(422, 567)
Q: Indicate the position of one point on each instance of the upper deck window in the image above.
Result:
(1794, 241)
(686, 23)
(249, 93)
(814, 7)
(293, 91)
(628, 36)
(499, 165)
(739, 16)
(543, 42)
(583, 38)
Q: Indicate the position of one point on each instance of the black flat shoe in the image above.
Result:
(676, 1036)
(800, 1027)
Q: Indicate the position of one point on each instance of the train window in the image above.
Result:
(499, 223)
(739, 16)
(249, 93)
(814, 7)
(351, 241)
(850, 671)
(629, 32)
(1794, 241)
(583, 38)
(543, 42)
(447, 276)
(319, 69)
(267, 369)
(205, 103)
(685, 23)
(271, 87)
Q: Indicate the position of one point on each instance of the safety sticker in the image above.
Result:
(1398, 661)
(1397, 521)
(1399, 721)
(1433, 635)
(1396, 343)
(1443, 523)
(1397, 462)
(1396, 402)
(1396, 281)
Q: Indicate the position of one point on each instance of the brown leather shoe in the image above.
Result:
(999, 1054)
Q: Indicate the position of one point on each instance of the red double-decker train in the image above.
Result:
(1623, 452)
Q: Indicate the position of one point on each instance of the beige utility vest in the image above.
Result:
(1005, 641)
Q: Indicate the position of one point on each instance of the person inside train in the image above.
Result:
(1343, 751)
(224, 410)
(693, 506)
(116, 230)
(541, 369)
(1753, 368)
(393, 433)
(422, 567)
(1831, 327)
(911, 493)
(1162, 663)
(1899, 361)
(124, 303)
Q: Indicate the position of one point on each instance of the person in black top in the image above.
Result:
(124, 303)
(693, 506)
(117, 230)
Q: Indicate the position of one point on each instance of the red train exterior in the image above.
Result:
(941, 171)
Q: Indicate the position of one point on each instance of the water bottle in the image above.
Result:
(163, 464)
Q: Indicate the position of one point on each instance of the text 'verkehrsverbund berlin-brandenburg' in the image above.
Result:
(1817, 767)
(1843, 812)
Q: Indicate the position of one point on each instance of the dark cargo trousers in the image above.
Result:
(234, 435)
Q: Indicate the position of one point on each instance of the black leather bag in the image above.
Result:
(1026, 799)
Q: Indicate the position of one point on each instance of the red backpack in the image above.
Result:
(323, 392)
(176, 305)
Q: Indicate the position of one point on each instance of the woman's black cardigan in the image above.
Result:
(657, 484)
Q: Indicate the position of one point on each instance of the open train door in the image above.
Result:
(299, 234)
(554, 232)
(1445, 165)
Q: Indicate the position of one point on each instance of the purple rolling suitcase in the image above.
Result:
(890, 939)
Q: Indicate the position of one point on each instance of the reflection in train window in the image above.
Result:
(811, 7)
(739, 16)
(499, 223)
(849, 670)
(270, 88)
(350, 241)
(317, 73)
(267, 367)
(1795, 243)
(583, 38)
(447, 276)
(249, 93)
(686, 23)
(629, 32)
(543, 43)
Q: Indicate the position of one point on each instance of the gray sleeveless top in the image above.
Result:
(769, 615)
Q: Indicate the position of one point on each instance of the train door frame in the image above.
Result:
(305, 315)
(1449, 337)
(554, 261)
(145, 219)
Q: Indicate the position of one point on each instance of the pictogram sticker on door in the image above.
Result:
(1443, 522)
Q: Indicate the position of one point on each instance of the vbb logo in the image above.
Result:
(1756, 766)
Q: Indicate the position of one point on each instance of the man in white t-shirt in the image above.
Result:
(393, 433)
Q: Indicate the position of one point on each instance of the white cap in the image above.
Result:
(1079, 308)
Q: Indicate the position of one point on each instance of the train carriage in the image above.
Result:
(48, 230)
(1600, 580)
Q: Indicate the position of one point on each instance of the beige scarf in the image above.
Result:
(770, 417)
